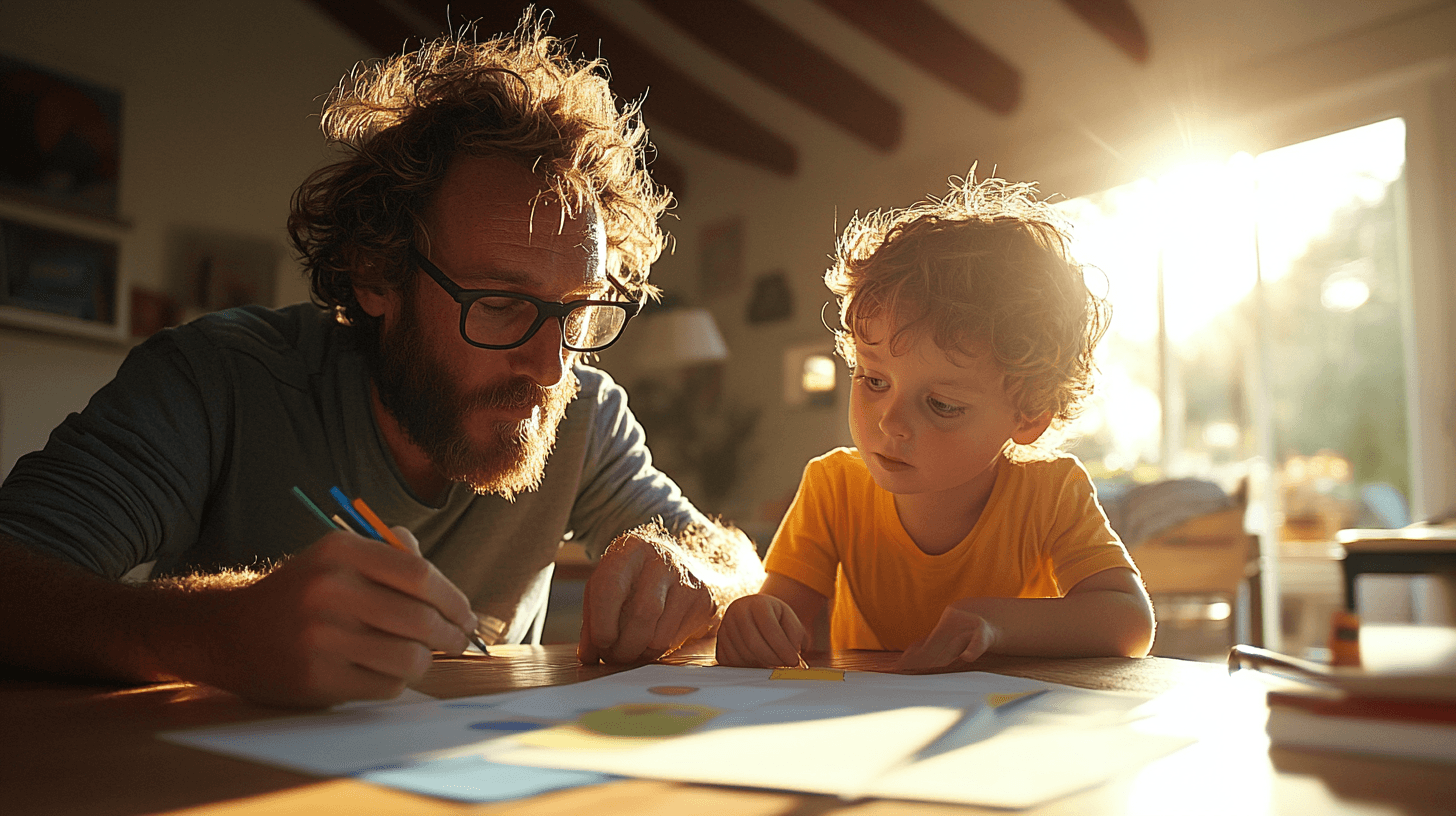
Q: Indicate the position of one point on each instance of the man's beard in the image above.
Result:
(422, 394)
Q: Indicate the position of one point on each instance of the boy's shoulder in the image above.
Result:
(841, 466)
(1052, 468)
(838, 460)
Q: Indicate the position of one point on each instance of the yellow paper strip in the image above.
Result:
(998, 700)
(807, 674)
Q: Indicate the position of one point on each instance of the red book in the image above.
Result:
(1411, 728)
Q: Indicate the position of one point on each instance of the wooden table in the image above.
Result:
(69, 748)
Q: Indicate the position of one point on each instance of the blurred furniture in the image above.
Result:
(1199, 565)
(73, 747)
(1203, 577)
(1414, 550)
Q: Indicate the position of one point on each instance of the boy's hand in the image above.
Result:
(760, 631)
(960, 635)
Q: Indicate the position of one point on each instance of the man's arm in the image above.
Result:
(347, 618)
(1106, 614)
(652, 591)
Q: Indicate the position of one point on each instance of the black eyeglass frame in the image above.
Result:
(545, 309)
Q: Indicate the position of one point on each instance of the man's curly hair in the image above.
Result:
(403, 120)
(987, 264)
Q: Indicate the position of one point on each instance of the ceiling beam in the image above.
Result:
(923, 35)
(371, 21)
(790, 64)
(673, 99)
(1117, 21)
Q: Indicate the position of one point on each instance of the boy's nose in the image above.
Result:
(892, 420)
(542, 358)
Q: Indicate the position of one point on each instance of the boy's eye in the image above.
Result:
(944, 409)
(874, 383)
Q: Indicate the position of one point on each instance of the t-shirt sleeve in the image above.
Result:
(620, 487)
(803, 548)
(125, 477)
(1082, 543)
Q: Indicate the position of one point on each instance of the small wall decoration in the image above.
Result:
(721, 265)
(772, 300)
(44, 270)
(59, 140)
(212, 271)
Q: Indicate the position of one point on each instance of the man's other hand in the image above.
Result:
(642, 601)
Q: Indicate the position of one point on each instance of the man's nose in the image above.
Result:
(542, 358)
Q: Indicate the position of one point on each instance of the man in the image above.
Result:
(491, 224)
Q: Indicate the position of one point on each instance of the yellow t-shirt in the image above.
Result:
(1041, 533)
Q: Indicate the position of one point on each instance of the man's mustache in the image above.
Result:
(515, 393)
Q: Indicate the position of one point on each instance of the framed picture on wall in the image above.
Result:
(51, 273)
(60, 140)
(721, 265)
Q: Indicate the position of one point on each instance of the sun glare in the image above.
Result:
(1183, 250)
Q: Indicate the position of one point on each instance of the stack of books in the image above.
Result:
(1408, 713)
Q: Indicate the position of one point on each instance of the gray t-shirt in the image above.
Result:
(189, 456)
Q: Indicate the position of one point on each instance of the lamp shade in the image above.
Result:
(677, 338)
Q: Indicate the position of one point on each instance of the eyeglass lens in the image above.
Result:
(502, 321)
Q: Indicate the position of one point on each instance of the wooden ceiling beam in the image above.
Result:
(1117, 21)
(923, 35)
(790, 64)
(371, 21)
(673, 99)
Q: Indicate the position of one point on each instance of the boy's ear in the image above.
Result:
(1030, 429)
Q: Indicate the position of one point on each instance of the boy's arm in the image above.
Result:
(1106, 614)
(772, 627)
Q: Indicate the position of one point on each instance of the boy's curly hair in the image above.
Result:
(521, 97)
(988, 263)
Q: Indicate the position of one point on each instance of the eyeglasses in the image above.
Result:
(495, 319)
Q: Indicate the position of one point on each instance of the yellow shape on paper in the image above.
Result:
(998, 700)
(807, 674)
(621, 726)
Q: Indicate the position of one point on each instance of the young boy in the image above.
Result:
(947, 532)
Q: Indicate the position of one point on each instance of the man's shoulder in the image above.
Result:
(291, 341)
(259, 326)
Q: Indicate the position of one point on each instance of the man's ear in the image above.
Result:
(377, 301)
(1030, 429)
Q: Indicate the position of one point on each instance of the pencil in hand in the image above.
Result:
(383, 533)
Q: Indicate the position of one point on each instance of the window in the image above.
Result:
(1260, 315)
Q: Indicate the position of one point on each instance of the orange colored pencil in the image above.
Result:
(379, 526)
(388, 535)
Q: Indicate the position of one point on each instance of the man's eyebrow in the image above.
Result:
(520, 278)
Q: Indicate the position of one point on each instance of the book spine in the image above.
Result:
(1296, 728)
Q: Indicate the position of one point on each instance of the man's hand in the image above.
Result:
(960, 635)
(642, 601)
(761, 631)
(348, 618)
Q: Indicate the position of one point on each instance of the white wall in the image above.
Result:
(219, 125)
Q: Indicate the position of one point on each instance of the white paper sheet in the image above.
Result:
(929, 737)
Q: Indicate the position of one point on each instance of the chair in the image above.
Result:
(1200, 566)
(1203, 578)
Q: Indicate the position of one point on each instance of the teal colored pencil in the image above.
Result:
(314, 508)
